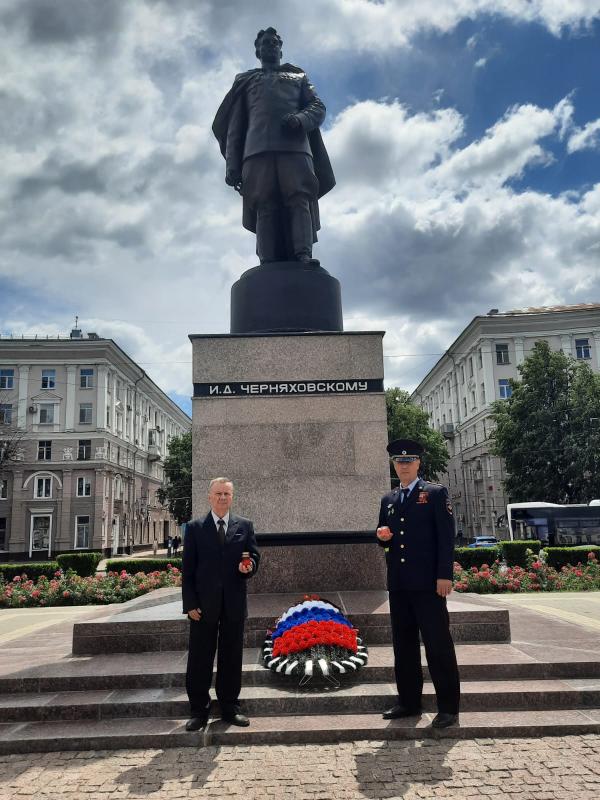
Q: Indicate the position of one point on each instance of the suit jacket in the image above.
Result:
(422, 547)
(211, 580)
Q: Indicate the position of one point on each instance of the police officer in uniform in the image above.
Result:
(416, 528)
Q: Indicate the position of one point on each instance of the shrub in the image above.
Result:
(558, 557)
(515, 553)
(84, 564)
(69, 589)
(469, 557)
(33, 570)
(134, 565)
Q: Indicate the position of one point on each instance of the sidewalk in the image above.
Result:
(160, 553)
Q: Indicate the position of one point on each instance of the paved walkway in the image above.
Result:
(526, 769)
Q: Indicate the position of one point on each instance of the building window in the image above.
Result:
(470, 367)
(3, 489)
(86, 379)
(45, 450)
(84, 450)
(465, 406)
(108, 416)
(473, 401)
(82, 532)
(84, 487)
(40, 532)
(43, 487)
(483, 393)
(48, 378)
(462, 374)
(3, 534)
(504, 388)
(85, 413)
(5, 413)
(502, 354)
(7, 378)
(480, 358)
(582, 348)
(47, 414)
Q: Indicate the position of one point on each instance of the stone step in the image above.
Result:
(167, 669)
(165, 628)
(162, 733)
(277, 700)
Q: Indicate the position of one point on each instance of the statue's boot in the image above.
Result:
(301, 227)
(267, 233)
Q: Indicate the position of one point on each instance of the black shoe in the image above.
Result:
(443, 720)
(397, 712)
(235, 718)
(196, 723)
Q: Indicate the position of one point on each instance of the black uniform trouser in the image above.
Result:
(205, 637)
(425, 612)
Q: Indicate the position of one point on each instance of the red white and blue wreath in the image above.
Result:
(314, 639)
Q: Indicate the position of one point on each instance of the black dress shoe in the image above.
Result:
(195, 723)
(235, 718)
(443, 720)
(397, 712)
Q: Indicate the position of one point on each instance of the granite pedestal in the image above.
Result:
(298, 422)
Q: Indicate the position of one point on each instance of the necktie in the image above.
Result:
(405, 493)
(221, 532)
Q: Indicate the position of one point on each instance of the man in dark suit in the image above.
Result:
(219, 555)
(416, 528)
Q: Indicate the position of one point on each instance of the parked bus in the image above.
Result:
(553, 524)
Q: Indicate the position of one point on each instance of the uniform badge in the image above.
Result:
(449, 507)
(423, 498)
(390, 510)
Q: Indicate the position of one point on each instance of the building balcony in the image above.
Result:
(154, 453)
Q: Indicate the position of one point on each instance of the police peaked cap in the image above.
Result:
(405, 447)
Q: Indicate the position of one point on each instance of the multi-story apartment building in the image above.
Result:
(84, 432)
(458, 391)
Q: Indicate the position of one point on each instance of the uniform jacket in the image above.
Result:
(210, 572)
(422, 547)
(241, 135)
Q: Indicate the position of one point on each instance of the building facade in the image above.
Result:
(84, 432)
(458, 391)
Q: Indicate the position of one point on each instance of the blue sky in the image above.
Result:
(464, 134)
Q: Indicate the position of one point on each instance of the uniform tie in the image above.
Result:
(221, 532)
(405, 493)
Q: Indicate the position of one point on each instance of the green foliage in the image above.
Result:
(515, 553)
(548, 432)
(407, 421)
(469, 557)
(147, 565)
(177, 489)
(558, 557)
(84, 564)
(33, 569)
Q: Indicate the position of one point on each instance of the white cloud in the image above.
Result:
(586, 138)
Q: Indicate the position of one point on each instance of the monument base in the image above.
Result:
(286, 296)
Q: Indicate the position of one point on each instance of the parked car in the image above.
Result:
(484, 541)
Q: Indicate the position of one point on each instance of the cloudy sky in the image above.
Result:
(464, 134)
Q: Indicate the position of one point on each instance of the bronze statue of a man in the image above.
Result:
(268, 131)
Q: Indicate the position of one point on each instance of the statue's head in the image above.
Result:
(268, 44)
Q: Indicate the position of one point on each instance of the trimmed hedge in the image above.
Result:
(515, 553)
(469, 557)
(33, 570)
(558, 557)
(134, 565)
(83, 564)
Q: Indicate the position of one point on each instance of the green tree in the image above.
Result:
(177, 489)
(407, 421)
(548, 431)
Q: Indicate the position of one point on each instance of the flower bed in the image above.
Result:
(69, 589)
(535, 577)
